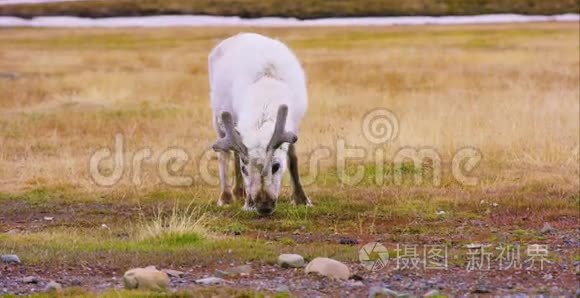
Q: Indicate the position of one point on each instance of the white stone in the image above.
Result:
(329, 268)
(146, 279)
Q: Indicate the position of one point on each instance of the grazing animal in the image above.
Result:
(258, 98)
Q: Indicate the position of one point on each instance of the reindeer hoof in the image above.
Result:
(226, 198)
(239, 193)
(301, 199)
(248, 208)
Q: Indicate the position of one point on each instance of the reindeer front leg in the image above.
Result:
(298, 194)
(226, 196)
(239, 192)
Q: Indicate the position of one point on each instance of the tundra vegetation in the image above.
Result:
(509, 90)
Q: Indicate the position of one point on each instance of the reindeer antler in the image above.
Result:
(280, 134)
(231, 140)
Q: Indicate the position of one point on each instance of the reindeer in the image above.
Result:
(258, 98)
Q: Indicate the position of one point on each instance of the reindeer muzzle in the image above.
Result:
(264, 203)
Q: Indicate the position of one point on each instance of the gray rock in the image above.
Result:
(329, 268)
(210, 281)
(481, 289)
(76, 282)
(347, 241)
(355, 284)
(53, 286)
(14, 259)
(374, 291)
(547, 229)
(243, 270)
(174, 273)
(290, 261)
(554, 290)
(283, 289)
(30, 280)
(220, 273)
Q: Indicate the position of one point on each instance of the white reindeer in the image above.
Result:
(258, 98)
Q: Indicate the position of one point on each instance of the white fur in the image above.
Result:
(237, 83)
(251, 76)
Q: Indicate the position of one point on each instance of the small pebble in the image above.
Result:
(30, 280)
(209, 281)
(374, 291)
(220, 273)
(76, 282)
(547, 229)
(348, 241)
(432, 293)
(14, 259)
(355, 284)
(173, 273)
(53, 286)
(243, 270)
(290, 261)
(481, 289)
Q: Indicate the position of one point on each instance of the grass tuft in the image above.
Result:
(178, 225)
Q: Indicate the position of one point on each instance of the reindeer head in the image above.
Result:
(263, 163)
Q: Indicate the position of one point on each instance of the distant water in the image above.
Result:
(197, 21)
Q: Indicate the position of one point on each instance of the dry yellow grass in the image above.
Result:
(509, 90)
(178, 221)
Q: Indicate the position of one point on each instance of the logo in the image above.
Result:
(373, 256)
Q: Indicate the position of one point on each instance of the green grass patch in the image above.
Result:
(69, 247)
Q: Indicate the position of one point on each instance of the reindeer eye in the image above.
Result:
(275, 167)
(244, 170)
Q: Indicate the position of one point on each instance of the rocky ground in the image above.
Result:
(556, 278)
(273, 279)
